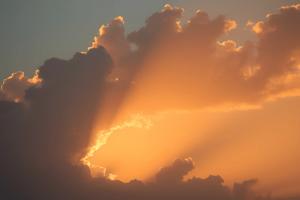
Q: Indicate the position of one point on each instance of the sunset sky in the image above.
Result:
(34, 30)
(131, 99)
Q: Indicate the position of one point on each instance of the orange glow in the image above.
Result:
(137, 121)
(258, 27)
(239, 147)
(200, 97)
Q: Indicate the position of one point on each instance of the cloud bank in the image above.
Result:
(46, 122)
(168, 55)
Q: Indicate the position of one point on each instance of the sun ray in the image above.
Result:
(135, 121)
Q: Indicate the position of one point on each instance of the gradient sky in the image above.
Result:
(35, 30)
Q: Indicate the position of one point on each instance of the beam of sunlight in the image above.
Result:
(135, 121)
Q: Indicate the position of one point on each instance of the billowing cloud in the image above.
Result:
(13, 87)
(166, 187)
(168, 55)
(43, 137)
(278, 49)
(175, 172)
(47, 122)
(112, 37)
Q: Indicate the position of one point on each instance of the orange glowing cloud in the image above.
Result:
(170, 65)
(134, 103)
(136, 121)
(14, 86)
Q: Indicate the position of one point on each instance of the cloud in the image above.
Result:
(112, 37)
(243, 190)
(278, 47)
(45, 135)
(175, 172)
(46, 122)
(159, 25)
(13, 87)
(169, 184)
(187, 65)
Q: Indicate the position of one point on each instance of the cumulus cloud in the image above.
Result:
(169, 184)
(13, 87)
(175, 172)
(278, 47)
(46, 122)
(43, 137)
(112, 37)
(184, 65)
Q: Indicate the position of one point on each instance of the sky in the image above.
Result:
(33, 30)
(150, 100)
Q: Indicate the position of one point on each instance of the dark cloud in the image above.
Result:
(46, 122)
(158, 26)
(44, 136)
(279, 45)
(169, 184)
(175, 172)
(243, 190)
